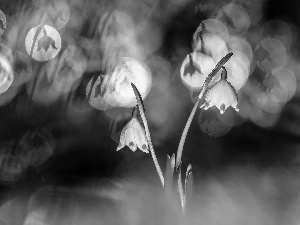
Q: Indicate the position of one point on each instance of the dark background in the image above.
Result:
(89, 152)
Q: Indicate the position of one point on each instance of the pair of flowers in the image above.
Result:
(222, 95)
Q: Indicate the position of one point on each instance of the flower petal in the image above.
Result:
(132, 145)
(140, 137)
(122, 141)
(145, 148)
(222, 95)
(142, 142)
(133, 135)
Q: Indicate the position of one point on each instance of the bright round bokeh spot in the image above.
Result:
(237, 71)
(212, 26)
(3, 21)
(213, 45)
(6, 74)
(195, 69)
(47, 43)
(119, 91)
(115, 90)
(236, 17)
(270, 53)
(6, 50)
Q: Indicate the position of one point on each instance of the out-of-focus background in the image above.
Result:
(58, 136)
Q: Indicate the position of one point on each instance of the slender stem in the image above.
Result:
(190, 119)
(143, 116)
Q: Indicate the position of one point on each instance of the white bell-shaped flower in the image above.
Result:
(222, 95)
(133, 135)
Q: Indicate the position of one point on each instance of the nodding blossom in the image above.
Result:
(133, 135)
(222, 95)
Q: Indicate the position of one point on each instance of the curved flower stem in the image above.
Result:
(190, 119)
(143, 116)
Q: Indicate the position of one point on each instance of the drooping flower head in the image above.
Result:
(133, 135)
(222, 95)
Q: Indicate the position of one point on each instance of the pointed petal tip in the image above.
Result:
(120, 146)
(146, 151)
(133, 147)
(145, 148)
(235, 107)
(206, 105)
(222, 108)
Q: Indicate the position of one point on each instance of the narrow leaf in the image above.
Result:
(180, 189)
(189, 183)
(169, 175)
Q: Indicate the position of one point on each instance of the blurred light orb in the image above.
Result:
(116, 88)
(22, 68)
(11, 32)
(95, 95)
(6, 50)
(237, 71)
(212, 45)
(37, 147)
(210, 38)
(3, 21)
(268, 103)
(239, 45)
(63, 11)
(259, 106)
(11, 167)
(118, 85)
(47, 43)
(276, 89)
(215, 124)
(66, 72)
(212, 26)
(270, 53)
(195, 69)
(37, 217)
(117, 38)
(287, 80)
(56, 14)
(8, 95)
(280, 30)
(6, 74)
(236, 18)
(119, 26)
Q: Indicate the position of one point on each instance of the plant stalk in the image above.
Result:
(143, 116)
(190, 119)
